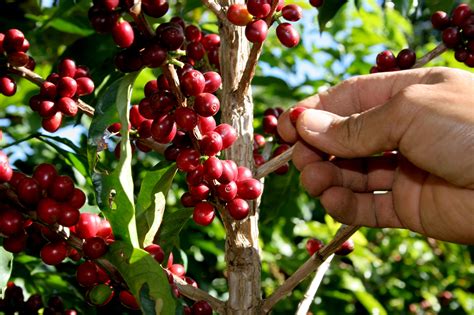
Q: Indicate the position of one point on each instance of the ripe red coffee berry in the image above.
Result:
(29, 191)
(153, 55)
(386, 60)
(451, 37)
(68, 106)
(94, 247)
(7, 85)
(227, 192)
(53, 253)
(201, 308)
(48, 90)
(67, 87)
(18, 59)
(203, 213)
(188, 201)
(346, 248)
(206, 104)
(192, 83)
(62, 188)
(229, 172)
(67, 68)
(86, 274)
(188, 160)
(313, 245)
(213, 81)
(44, 174)
(48, 210)
(211, 41)
(123, 35)
(206, 124)
(88, 226)
(47, 108)
(15, 243)
(199, 192)
(270, 123)
(128, 300)
(178, 270)
(69, 215)
(170, 35)
(13, 40)
(256, 31)
(85, 86)
(243, 173)
(228, 134)
(52, 124)
(249, 188)
(11, 221)
(238, 208)
(156, 252)
(211, 143)
(238, 14)
(295, 112)
(259, 8)
(460, 14)
(440, 20)
(192, 33)
(186, 118)
(406, 58)
(213, 168)
(155, 8)
(6, 172)
(292, 12)
(316, 3)
(163, 129)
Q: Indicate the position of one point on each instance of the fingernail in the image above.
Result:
(313, 120)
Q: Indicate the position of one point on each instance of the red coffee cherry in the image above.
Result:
(18, 59)
(199, 192)
(460, 14)
(243, 173)
(53, 253)
(461, 54)
(211, 41)
(211, 143)
(346, 248)
(227, 192)
(86, 274)
(88, 226)
(94, 247)
(47, 108)
(156, 252)
(203, 213)
(201, 308)
(259, 8)
(13, 40)
(270, 123)
(67, 106)
(15, 243)
(34, 303)
(206, 104)
(451, 37)
(48, 90)
(44, 174)
(123, 34)
(29, 191)
(170, 35)
(292, 12)
(196, 176)
(406, 58)
(238, 14)
(177, 270)
(153, 56)
(62, 188)
(188, 201)
(6, 172)
(386, 60)
(67, 68)
(256, 31)
(295, 112)
(186, 118)
(238, 208)
(316, 3)
(440, 20)
(163, 129)
(52, 124)
(85, 86)
(155, 8)
(188, 160)
(7, 85)
(69, 215)
(67, 87)
(313, 245)
(128, 300)
(48, 210)
(213, 168)
(228, 134)
(11, 222)
(206, 124)
(229, 172)
(192, 33)
(213, 81)
(192, 83)
(249, 188)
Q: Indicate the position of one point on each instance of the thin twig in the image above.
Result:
(136, 13)
(216, 9)
(273, 164)
(344, 232)
(196, 294)
(252, 61)
(308, 298)
(438, 50)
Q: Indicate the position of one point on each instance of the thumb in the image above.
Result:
(358, 135)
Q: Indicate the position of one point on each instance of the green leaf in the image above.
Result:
(152, 199)
(6, 266)
(115, 191)
(356, 286)
(172, 224)
(72, 25)
(328, 11)
(404, 6)
(144, 276)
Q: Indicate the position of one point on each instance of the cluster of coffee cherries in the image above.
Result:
(6, 171)
(457, 32)
(314, 244)
(13, 48)
(60, 92)
(173, 269)
(140, 49)
(14, 302)
(386, 61)
(253, 16)
(269, 124)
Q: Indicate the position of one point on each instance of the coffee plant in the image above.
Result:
(141, 169)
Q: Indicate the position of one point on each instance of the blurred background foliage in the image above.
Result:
(390, 272)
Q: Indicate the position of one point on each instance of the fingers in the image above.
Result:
(359, 175)
(304, 155)
(367, 209)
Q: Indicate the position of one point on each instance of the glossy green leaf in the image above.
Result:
(145, 277)
(115, 190)
(172, 224)
(152, 199)
(6, 265)
(72, 25)
(328, 11)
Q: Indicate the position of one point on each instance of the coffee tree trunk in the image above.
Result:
(242, 249)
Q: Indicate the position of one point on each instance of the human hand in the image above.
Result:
(427, 115)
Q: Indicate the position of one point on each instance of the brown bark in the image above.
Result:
(242, 248)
